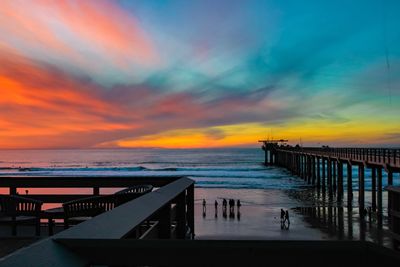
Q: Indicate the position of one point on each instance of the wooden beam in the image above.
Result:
(106, 225)
(83, 182)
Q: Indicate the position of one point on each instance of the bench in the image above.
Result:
(80, 210)
(131, 193)
(15, 210)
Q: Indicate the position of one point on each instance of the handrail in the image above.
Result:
(119, 223)
(82, 181)
(13, 183)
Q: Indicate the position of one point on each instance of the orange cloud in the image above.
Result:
(40, 102)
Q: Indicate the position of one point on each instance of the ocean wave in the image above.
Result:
(132, 169)
(83, 169)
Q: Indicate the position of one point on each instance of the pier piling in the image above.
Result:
(373, 188)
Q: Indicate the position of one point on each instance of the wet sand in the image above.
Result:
(259, 216)
(311, 218)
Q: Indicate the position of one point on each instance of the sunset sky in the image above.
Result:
(207, 73)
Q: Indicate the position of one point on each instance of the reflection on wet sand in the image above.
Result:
(342, 221)
(346, 224)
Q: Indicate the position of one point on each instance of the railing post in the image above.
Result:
(96, 191)
(13, 190)
(165, 222)
(181, 215)
(190, 209)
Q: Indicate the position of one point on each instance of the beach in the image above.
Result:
(259, 216)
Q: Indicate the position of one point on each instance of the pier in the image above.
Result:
(323, 168)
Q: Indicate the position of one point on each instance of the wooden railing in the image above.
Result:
(382, 156)
(167, 212)
(95, 183)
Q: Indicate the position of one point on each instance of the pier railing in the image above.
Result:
(166, 213)
(381, 156)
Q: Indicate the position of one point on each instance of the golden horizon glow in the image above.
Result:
(242, 135)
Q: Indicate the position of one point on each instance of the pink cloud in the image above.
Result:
(61, 31)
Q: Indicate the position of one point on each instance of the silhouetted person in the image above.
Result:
(224, 204)
(238, 205)
(287, 219)
(231, 206)
(216, 208)
(204, 205)
(283, 214)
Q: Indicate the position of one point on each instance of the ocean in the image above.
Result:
(219, 173)
(231, 168)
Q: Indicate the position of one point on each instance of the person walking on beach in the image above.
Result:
(224, 203)
(231, 205)
(216, 208)
(283, 214)
(238, 205)
(287, 219)
(204, 205)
